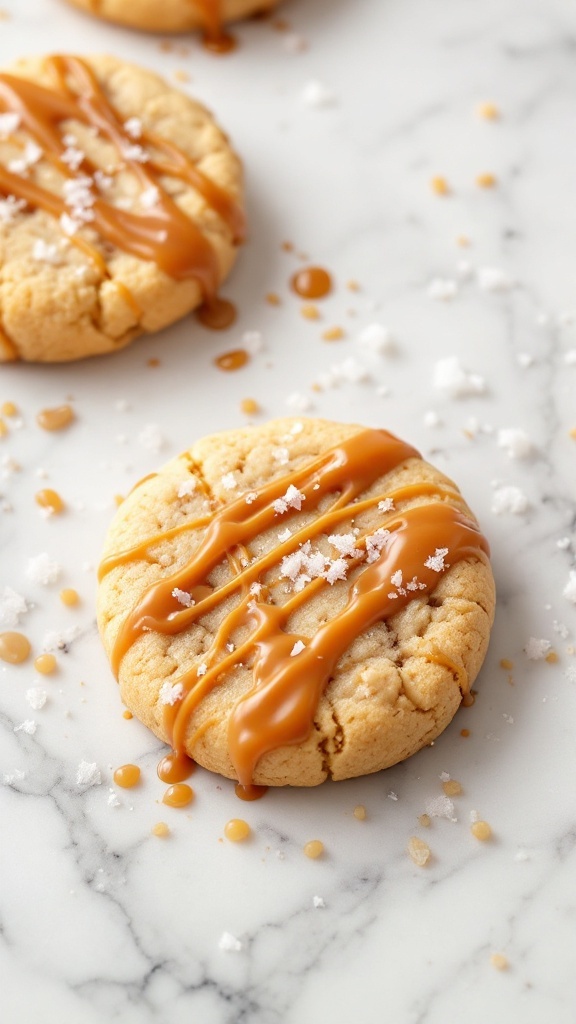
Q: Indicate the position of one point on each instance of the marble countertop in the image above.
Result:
(343, 119)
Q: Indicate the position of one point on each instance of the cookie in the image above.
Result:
(175, 15)
(296, 601)
(120, 207)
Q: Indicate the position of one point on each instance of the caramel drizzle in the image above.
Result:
(164, 234)
(280, 707)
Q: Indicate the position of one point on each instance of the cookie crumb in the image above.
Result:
(486, 180)
(314, 849)
(440, 186)
(359, 812)
(333, 334)
(488, 111)
(419, 851)
(249, 406)
(536, 649)
(452, 788)
(506, 664)
(160, 829)
(499, 961)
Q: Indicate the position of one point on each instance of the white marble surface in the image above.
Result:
(100, 920)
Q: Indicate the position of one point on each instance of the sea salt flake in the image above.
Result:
(43, 569)
(570, 673)
(171, 693)
(377, 338)
(256, 589)
(284, 535)
(12, 606)
(112, 799)
(318, 902)
(511, 500)
(569, 591)
(386, 506)
(536, 649)
(69, 225)
(36, 697)
(30, 156)
(281, 456)
(253, 342)
(182, 597)
(316, 94)
(375, 543)
(445, 776)
(104, 181)
(441, 807)
(133, 127)
(350, 370)
(60, 640)
(292, 499)
(151, 437)
(187, 487)
(515, 443)
(228, 482)
(299, 402)
(392, 795)
(436, 561)
(72, 157)
(228, 943)
(450, 377)
(442, 289)
(396, 578)
(491, 279)
(149, 197)
(43, 252)
(134, 152)
(9, 123)
(10, 208)
(88, 774)
(28, 726)
(337, 570)
(202, 669)
(250, 497)
(298, 647)
(345, 543)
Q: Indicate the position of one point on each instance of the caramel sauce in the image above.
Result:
(163, 234)
(237, 830)
(175, 767)
(233, 360)
(250, 792)
(14, 648)
(280, 707)
(218, 314)
(127, 776)
(55, 419)
(311, 283)
(45, 664)
(178, 795)
(50, 500)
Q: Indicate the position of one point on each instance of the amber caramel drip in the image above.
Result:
(178, 795)
(163, 234)
(14, 648)
(55, 419)
(45, 664)
(237, 830)
(175, 767)
(218, 314)
(250, 793)
(69, 597)
(127, 776)
(280, 707)
(311, 283)
(50, 501)
(233, 360)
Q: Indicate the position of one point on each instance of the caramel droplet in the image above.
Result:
(250, 793)
(481, 830)
(218, 314)
(127, 715)
(311, 283)
(236, 830)
(249, 406)
(14, 648)
(314, 849)
(233, 360)
(222, 43)
(51, 501)
(45, 664)
(55, 419)
(3, 429)
(178, 795)
(69, 597)
(175, 768)
(8, 409)
(161, 829)
(127, 776)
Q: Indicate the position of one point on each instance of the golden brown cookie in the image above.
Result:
(295, 601)
(175, 15)
(120, 206)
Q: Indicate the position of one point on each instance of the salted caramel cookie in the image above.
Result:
(296, 601)
(120, 206)
(175, 15)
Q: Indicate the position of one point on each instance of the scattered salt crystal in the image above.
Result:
(133, 127)
(36, 697)
(135, 152)
(436, 561)
(284, 535)
(386, 506)
(515, 443)
(452, 379)
(42, 569)
(102, 180)
(30, 156)
(28, 726)
(281, 456)
(296, 428)
(151, 437)
(509, 499)
(43, 252)
(149, 197)
(10, 208)
(441, 807)
(183, 597)
(171, 693)
(392, 795)
(113, 800)
(72, 157)
(316, 94)
(377, 338)
(396, 578)
(432, 419)
(250, 497)
(60, 640)
(229, 944)
(561, 629)
(298, 647)
(253, 342)
(375, 543)
(337, 570)
(9, 123)
(345, 543)
(350, 370)
(524, 359)
(228, 482)
(187, 487)
(202, 669)
(292, 499)
(12, 606)
(88, 774)
(491, 279)
(474, 817)
(299, 402)
(442, 289)
(445, 776)
(536, 649)
(69, 225)
(318, 902)
(508, 719)
(570, 589)
(255, 589)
